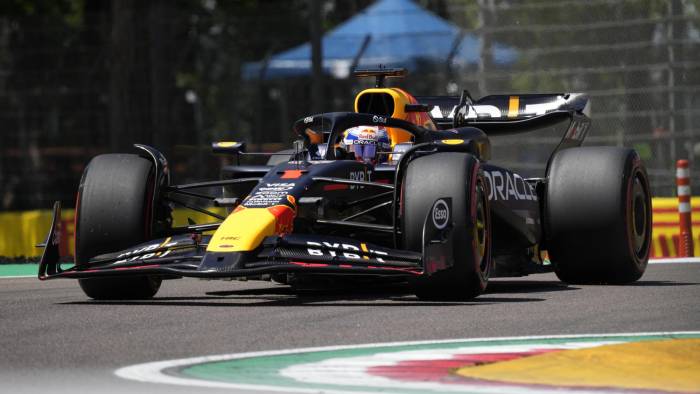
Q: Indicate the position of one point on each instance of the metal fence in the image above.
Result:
(169, 73)
(638, 60)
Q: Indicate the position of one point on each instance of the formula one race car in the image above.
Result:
(399, 190)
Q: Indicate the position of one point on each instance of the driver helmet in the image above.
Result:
(370, 144)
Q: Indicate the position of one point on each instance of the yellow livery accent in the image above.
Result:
(226, 144)
(364, 249)
(391, 102)
(165, 242)
(243, 230)
(513, 105)
(396, 98)
(452, 142)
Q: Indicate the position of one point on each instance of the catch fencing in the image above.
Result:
(71, 88)
(638, 60)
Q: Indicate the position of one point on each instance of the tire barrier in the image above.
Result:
(685, 240)
(21, 231)
(666, 234)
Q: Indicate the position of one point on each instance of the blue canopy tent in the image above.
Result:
(393, 33)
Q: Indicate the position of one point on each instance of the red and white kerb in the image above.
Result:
(685, 241)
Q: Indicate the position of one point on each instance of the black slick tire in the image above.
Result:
(456, 176)
(598, 215)
(114, 212)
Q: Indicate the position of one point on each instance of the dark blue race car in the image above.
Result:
(401, 189)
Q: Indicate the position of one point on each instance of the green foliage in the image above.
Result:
(81, 77)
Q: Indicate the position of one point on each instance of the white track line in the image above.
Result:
(153, 372)
(677, 260)
(352, 371)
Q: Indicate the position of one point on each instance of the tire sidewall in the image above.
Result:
(466, 278)
(637, 172)
(114, 210)
(588, 215)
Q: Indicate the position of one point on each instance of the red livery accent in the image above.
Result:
(285, 218)
(335, 187)
(291, 174)
(300, 263)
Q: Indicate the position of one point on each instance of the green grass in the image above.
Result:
(26, 269)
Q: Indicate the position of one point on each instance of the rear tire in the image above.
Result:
(598, 215)
(114, 211)
(456, 176)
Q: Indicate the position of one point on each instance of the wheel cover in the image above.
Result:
(480, 229)
(639, 217)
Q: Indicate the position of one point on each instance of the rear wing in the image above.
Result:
(508, 114)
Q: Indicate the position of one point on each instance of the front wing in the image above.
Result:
(186, 256)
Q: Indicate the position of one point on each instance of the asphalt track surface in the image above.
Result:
(52, 339)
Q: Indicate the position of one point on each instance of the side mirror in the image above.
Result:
(229, 147)
(398, 151)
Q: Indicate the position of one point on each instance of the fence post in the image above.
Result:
(685, 240)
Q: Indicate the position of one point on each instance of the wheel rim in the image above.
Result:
(480, 230)
(639, 218)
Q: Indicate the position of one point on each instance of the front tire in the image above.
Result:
(456, 176)
(598, 215)
(114, 211)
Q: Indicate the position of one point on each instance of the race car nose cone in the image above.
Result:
(243, 230)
